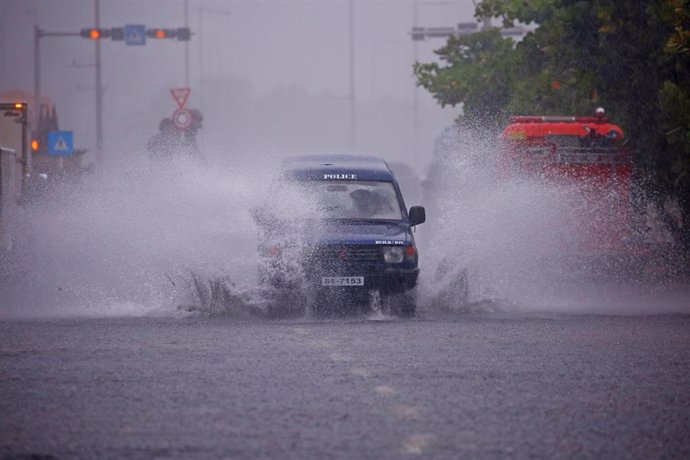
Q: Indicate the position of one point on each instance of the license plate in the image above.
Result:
(342, 281)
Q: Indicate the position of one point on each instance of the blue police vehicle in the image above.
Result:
(336, 236)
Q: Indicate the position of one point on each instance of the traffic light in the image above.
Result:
(182, 34)
(119, 34)
(95, 34)
(161, 33)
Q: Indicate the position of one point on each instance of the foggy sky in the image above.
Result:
(266, 66)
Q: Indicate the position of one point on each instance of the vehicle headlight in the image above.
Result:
(393, 254)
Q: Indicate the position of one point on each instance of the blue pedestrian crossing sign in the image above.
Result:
(135, 34)
(60, 143)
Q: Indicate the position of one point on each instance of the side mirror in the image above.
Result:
(417, 215)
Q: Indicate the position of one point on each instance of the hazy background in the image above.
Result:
(275, 81)
(275, 77)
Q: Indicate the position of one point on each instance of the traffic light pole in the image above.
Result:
(99, 90)
(37, 90)
(186, 45)
(353, 113)
(182, 34)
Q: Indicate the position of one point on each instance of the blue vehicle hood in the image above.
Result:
(364, 233)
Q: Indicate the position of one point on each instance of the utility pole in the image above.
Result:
(37, 73)
(353, 116)
(201, 59)
(99, 90)
(186, 45)
(37, 90)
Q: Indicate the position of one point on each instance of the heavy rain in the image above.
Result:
(344, 229)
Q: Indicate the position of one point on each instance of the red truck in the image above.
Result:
(587, 156)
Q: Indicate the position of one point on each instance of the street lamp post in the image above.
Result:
(99, 89)
(186, 45)
(353, 116)
(37, 90)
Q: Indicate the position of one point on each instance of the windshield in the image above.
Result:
(341, 199)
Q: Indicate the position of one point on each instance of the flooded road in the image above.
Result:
(477, 385)
(132, 326)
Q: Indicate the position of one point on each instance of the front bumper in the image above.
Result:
(364, 262)
(387, 280)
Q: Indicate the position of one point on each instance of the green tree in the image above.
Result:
(477, 74)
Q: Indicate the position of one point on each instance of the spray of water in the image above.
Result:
(141, 237)
(516, 244)
(136, 238)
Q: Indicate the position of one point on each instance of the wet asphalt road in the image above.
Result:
(464, 386)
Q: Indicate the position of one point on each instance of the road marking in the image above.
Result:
(320, 343)
(339, 357)
(360, 371)
(385, 390)
(416, 443)
(404, 411)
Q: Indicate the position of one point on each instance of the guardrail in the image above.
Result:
(8, 196)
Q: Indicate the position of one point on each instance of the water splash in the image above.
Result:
(516, 244)
(132, 239)
(121, 237)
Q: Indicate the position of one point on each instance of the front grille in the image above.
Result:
(346, 254)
